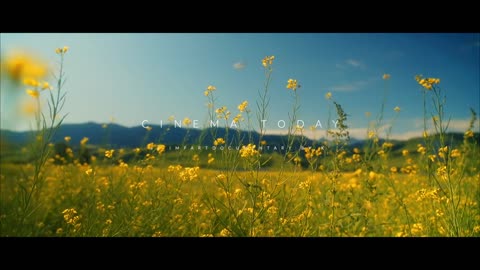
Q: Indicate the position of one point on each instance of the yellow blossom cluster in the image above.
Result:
(209, 90)
(292, 84)
(267, 61)
(248, 151)
(427, 83)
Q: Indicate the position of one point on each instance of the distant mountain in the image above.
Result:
(119, 136)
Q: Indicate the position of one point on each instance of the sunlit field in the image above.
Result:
(231, 186)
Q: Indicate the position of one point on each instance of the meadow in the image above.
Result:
(328, 188)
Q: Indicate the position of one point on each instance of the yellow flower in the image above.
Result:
(67, 138)
(221, 176)
(196, 157)
(387, 145)
(46, 85)
(225, 233)
(161, 148)
(238, 118)
(61, 50)
(267, 61)
(150, 146)
(425, 134)
(220, 110)
(187, 121)
(397, 109)
(20, 66)
(31, 82)
(455, 153)
(328, 95)
(219, 141)
(211, 159)
(210, 88)
(189, 173)
(248, 151)
(243, 106)
(109, 153)
(427, 83)
(468, 134)
(386, 76)
(292, 84)
(421, 149)
(84, 141)
(297, 160)
(405, 152)
(89, 171)
(33, 93)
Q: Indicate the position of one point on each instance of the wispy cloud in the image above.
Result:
(354, 63)
(350, 63)
(239, 65)
(350, 87)
(456, 125)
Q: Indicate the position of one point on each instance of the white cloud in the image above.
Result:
(350, 63)
(354, 63)
(349, 87)
(456, 125)
(239, 65)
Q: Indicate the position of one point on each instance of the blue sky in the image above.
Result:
(133, 77)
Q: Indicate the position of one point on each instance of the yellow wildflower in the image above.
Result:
(150, 146)
(292, 84)
(468, 134)
(328, 95)
(20, 66)
(210, 88)
(267, 61)
(89, 171)
(219, 141)
(84, 141)
(248, 151)
(33, 93)
(243, 106)
(455, 153)
(46, 85)
(397, 109)
(109, 153)
(187, 121)
(211, 159)
(161, 148)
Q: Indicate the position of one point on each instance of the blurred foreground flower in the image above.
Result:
(20, 66)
